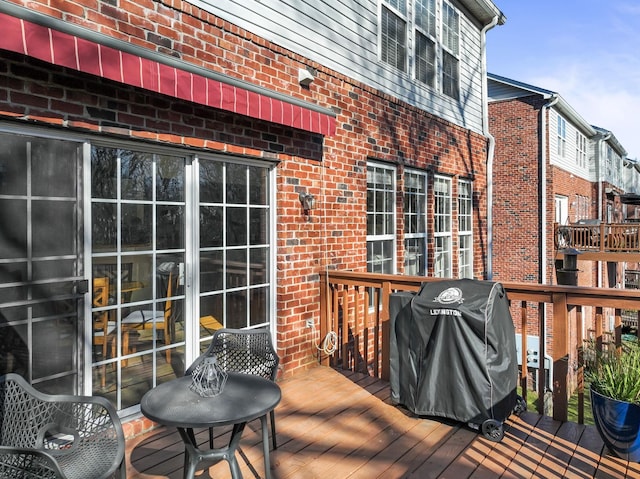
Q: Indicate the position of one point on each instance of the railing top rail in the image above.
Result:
(576, 295)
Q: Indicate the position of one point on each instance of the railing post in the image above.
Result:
(324, 314)
(617, 329)
(560, 331)
(385, 371)
(580, 371)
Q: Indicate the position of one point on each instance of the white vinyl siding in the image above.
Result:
(569, 147)
(344, 36)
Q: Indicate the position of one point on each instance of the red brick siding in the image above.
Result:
(370, 125)
(516, 195)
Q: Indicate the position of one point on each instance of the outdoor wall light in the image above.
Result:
(305, 77)
(308, 202)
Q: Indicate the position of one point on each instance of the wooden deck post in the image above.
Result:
(560, 356)
(386, 332)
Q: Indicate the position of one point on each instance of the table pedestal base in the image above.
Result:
(194, 456)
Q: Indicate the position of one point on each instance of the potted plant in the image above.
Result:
(615, 398)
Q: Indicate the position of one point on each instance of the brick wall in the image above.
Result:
(370, 125)
(516, 195)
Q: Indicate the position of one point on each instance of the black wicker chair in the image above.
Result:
(248, 351)
(61, 436)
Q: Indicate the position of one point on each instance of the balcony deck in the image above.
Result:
(601, 241)
(336, 425)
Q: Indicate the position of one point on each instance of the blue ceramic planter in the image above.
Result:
(618, 424)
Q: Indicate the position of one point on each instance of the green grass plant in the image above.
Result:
(616, 374)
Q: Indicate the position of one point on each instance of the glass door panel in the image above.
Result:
(234, 246)
(41, 287)
(138, 257)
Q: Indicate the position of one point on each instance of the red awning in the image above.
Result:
(71, 51)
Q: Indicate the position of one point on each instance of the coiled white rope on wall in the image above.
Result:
(329, 344)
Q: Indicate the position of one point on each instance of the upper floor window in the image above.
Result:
(609, 165)
(581, 150)
(425, 38)
(562, 136)
(450, 51)
(415, 228)
(435, 50)
(394, 34)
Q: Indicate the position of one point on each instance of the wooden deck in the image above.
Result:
(334, 426)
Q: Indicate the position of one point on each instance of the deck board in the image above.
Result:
(335, 425)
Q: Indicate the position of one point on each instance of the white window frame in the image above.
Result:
(465, 229)
(415, 222)
(562, 136)
(381, 218)
(442, 226)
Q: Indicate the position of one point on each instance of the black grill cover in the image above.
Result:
(453, 351)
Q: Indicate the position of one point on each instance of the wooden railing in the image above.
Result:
(347, 308)
(603, 237)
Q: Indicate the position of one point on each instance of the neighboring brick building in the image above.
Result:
(165, 146)
(550, 167)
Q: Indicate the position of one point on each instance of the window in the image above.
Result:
(394, 36)
(415, 230)
(434, 49)
(465, 237)
(425, 32)
(450, 51)
(581, 150)
(562, 136)
(380, 219)
(442, 227)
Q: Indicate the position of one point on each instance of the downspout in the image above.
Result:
(490, 141)
(602, 154)
(551, 100)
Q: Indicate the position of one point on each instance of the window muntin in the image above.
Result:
(415, 229)
(380, 218)
(442, 227)
(562, 136)
(465, 232)
(394, 39)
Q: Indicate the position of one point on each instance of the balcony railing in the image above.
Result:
(557, 313)
(600, 238)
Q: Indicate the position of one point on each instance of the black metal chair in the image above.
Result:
(248, 351)
(57, 436)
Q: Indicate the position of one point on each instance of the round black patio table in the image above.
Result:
(244, 398)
